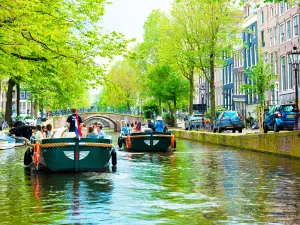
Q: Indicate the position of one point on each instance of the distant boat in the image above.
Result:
(7, 142)
(147, 141)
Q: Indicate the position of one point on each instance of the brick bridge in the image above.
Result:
(111, 120)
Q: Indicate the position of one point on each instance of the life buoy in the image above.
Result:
(173, 145)
(36, 153)
(128, 142)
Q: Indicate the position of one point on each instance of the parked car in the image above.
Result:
(193, 122)
(279, 117)
(30, 120)
(229, 120)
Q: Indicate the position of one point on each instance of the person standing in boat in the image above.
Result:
(70, 123)
(138, 127)
(159, 125)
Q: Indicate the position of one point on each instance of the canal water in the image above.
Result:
(196, 184)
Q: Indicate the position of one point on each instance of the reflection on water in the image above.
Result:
(196, 184)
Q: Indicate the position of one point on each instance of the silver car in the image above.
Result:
(194, 122)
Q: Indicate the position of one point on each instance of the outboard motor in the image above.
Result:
(22, 131)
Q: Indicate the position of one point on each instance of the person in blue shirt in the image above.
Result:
(101, 133)
(126, 129)
(159, 125)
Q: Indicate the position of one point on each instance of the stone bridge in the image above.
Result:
(111, 120)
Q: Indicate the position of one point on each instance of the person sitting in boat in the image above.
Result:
(44, 131)
(132, 128)
(70, 123)
(91, 133)
(159, 125)
(49, 131)
(38, 133)
(100, 132)
(151, 125)
(166, 128)
(138, 127)
(126, 129)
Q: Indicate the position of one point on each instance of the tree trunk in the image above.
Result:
(191, 79)
(8, 108)
(35, 108)
(18, 99)
(175, 109)
(159, 106)
(212, 79)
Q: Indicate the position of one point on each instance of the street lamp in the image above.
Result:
(295, 59)
(202, 90)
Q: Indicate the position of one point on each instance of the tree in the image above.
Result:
(56, 40)
(198, 33)
(122, 87)
(262, 80)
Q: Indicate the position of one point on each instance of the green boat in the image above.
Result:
(147, 142)
(70, 155)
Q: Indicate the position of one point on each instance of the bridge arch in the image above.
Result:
(99, 117)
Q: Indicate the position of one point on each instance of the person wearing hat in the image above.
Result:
(100, 132)
(159, 125)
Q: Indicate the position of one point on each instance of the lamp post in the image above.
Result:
(295, 59)
(202, 90)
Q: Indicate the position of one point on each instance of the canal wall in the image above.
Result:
(282, 143)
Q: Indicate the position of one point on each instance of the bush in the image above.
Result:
(169, 120)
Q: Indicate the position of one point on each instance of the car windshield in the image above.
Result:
(287, 108)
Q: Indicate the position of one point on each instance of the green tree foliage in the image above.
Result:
(262, 79)
(196, 35)
(149, 107)
(55, 42)
(122, 87)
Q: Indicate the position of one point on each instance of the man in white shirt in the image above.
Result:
(100, 132)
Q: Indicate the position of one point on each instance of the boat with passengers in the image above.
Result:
(146, 141)
(69, 153)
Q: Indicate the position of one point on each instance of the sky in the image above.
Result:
(128, 16)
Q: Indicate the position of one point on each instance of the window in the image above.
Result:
(276, 9)
(265, 58)
(250, 56)
(254, 55)
(272, 12)
(231, 79)
(270, 35)
(276, 63)
(281, 33)
(283, 74)
(228, 74)
(253, 31)
(288, 30)
(262, 17)
(28, 94)
(22, 94)
(295, 23)
(281, 7)
(287, 6)
(245, 36)
(290, 75)
(271, 61)
(263, 38)
(246, 59)
(275, 35)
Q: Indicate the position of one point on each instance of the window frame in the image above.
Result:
(294, 33)
(286, 27)
(281, 31)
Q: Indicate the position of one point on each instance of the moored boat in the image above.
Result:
(70, 155)
(148, 141)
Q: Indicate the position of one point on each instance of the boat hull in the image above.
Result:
(72, 155)
(148, 142)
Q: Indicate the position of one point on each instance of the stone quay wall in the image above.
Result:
(282, 143)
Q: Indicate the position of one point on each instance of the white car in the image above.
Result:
(30, 120)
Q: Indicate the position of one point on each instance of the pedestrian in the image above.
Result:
(70, 123)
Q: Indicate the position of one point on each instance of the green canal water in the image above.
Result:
(196, 184)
